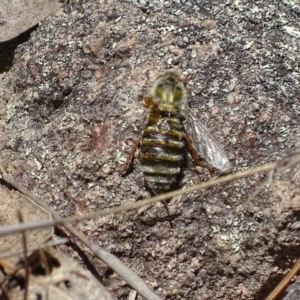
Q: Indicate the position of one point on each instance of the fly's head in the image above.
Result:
(168, 95)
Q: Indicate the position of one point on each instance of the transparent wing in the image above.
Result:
(205, 144)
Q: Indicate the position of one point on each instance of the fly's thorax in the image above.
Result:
(165, 125)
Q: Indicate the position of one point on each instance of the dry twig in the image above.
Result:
(129, 276)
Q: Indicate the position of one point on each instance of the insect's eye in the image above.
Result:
(177, 94)
(159, 90)
(160, 87)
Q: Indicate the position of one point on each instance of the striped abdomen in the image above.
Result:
(162, 154)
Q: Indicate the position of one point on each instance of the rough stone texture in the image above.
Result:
(71, 110)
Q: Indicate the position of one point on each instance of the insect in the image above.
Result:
(170, 130)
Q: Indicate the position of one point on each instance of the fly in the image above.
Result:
(171, 129)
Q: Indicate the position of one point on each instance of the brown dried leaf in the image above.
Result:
(11, 201)
(52, 276)
(17, 16)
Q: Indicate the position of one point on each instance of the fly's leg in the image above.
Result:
(194, 154)
(126, 168)
(167, 211)
(185, 80)
(148, 102)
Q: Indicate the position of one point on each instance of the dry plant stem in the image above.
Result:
(129, 276)
(132, 295)
(284, 165)
(25, 250)
(45, 223)
(264, 184)
(281, 166)
(108, 258)
(2, 170)
(52, 243)
(44, 261)
(285, 281)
